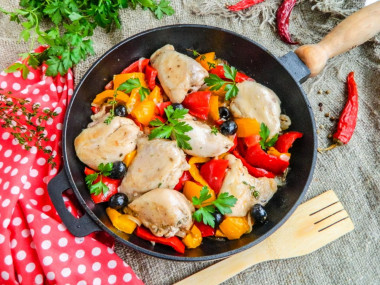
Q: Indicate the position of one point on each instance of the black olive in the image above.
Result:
(118, 170)
(177, 106)
(224, 113)
(118, 201)
(120, 111)
(218, 218)
(228, 128)
(258, 214)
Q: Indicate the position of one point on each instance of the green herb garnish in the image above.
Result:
(99, 187)
(131, 84)
(215, 82)
(214, 130)
(265, 142)
(253, 190)
(172, 127)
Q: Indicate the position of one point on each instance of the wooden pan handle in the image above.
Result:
(351, 32)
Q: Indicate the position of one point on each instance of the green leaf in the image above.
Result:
(224, 203)
(205, 215)
(105, 169)
(90, 179)
(214, 130)
(163, 8)
(214, 82)
(264, 135)
(229, 72)
(14, 67)
(232, 91)
(204, 195)
(75, 16)
(162, 132)
(129, 85)
(144, 92)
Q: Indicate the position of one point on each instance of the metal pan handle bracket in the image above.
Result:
(295, 66)
(78, 227)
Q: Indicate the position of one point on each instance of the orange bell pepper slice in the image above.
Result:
(192, 189)
(108, 94)
(247, 127)
(121, 78)
(214, 108)
(144, 112)
(207, 60)
(194, 238)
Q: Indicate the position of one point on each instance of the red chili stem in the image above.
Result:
(282, 16)
(244, 4)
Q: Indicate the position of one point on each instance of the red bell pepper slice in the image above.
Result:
(109, 86)
(186, 176)
(198, 104)
(240, 77)
(137, 66)
(174, 242)
(94, 109)
(150, 76)
(214, 172)
(255, 172)
(206, 230)
(160, 108)
(256, 157)
(252, 140)
(285, 141)
(112, 185)
(235, 144)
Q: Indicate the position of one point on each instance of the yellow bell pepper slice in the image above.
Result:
(129, 158)
(113, 214)
(155, 95)
(144, 112)
(194, 238)
(218, 233)
(234, 227)
(133, 100)
(214, 108)
(121, 78)
(120, 221)
(207, 60)
(108, 94)
(247, 127)
(194, 170)
(275, 152)
(192, 189)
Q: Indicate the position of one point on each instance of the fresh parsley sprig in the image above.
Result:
(99, 187)
(214, 130)
(265, 142)
(172, 127)
(215, 82)
(131, 84)
(223, 203)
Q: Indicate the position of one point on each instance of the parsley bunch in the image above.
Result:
(223, 203)
(215, 82)
(72, 23)
(99, 187)
(172, 127)
(265, 142)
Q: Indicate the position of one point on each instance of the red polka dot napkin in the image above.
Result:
(35, 247)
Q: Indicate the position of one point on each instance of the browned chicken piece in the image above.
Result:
(179, 74)
(203, 142)
(239, 183)
(102, 143)
(165, 212)
(159, 163)
(258, 102)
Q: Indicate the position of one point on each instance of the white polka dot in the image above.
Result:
(53, 171)
(8, 260)
(43, 81)
(82, 282)
(21, 196)
(5, 135)
(96, 266)
(33, 150)
(45, 179)
(6, 223)
(7, 169)
(64, 100)
(39, 191)
(38, 279)
(8, 153)
(24, 160)
(58, 110)
(59, 126)
(96, 251)
(26, 185)
(5, 275)
(32, 232)
(30, 75)
(66, 272)
(16, 86)
(13, 243)
(30, 218)
(14, 172)
(50, 275)
(112, 264)
(127, 277)
(36, 91)
(17, 73)
(32, 245)
(25, 91)
(53, 137)
(44, 216)
(15, 190)
(2, 238)
(33, 172)
(25, 233)
(3, 84)
(41, 161)
(47, 260)
(1, 163)
(46, 244)
(5, 203)
(59, 89)
(21, 255)
(81, 269)
(61, 227)
(69, 77)
(64, 257)
(17, 158)
(30, 267)
(16, 221)
(46, 208)
(45, 229)
(34, 202)
(6, 185)
(79, 240)
(79, 253)
(45, 98)
(52, 87)
(62, 242)
(112, 279)
(97, 281)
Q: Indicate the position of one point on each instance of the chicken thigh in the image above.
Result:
(165, 212)
(258, 102)
(241, 184)
(178, 73)
(158, 163)
(203, 142)
(102, 143)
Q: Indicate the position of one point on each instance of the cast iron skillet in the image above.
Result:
(283, 75)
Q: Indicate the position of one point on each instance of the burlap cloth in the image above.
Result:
(352, 171)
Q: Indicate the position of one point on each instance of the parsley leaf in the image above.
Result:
(204, 195)
(214, 130)
(264, 135)
(131, 84)
(162, 8)
(205, 215)
(99, 187)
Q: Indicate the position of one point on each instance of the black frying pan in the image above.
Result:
(283, 75)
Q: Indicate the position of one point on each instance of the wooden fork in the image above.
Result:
(314, 224)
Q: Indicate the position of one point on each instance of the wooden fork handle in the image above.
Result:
(351, 32)
(229, 267)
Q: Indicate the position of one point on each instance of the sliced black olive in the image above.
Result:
(120, 111)
(118, 170)
(228, 128)
(224, 113)
(177, 106)
(258, 214)
(218, 218)
(118, 201)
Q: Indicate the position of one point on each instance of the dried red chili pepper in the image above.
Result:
(282, 17)
(243, 4)
(348, 117)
